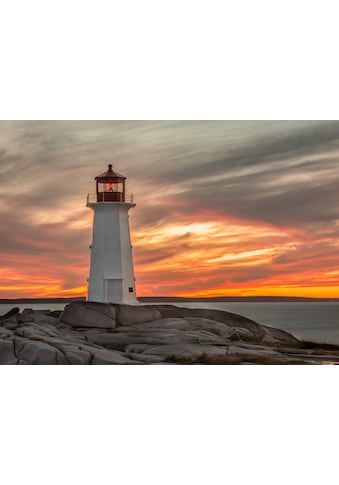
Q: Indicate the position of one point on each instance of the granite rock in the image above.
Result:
(90, 333)
(7, 354)
(36, 318)
(135, 314)
(89, 314)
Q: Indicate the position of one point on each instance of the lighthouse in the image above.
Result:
(111, 278)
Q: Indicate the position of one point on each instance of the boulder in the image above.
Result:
(11, 326)
(11, 313)
(35, 352)
(203, 325)
(27, 311)
(178, 350)
(11, 322)
(191, 353)
(104, 357)
(275, 334)
(5, 332)
(35, 330)
(7, 354)
(56, 313)
(135, 314)
(230, 319)
(145, 359)
(37, 318)
(89, 314)
(154, 336)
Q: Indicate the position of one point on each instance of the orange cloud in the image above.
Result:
(218, 258)
(207, 256)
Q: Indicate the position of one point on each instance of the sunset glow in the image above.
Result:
(220, 210)
(244, 260)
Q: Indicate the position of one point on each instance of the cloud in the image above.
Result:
(254, 177)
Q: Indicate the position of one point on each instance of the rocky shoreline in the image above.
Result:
(87, 333)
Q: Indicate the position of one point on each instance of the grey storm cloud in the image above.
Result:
(231, 167)
(263, 197)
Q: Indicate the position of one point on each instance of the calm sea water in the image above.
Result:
(314, 321)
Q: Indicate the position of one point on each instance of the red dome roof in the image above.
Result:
(110, 174)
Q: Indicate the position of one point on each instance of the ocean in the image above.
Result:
(316, 321)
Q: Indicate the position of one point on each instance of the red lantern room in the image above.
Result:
(110, 186)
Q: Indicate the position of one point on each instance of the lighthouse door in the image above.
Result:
(113, 289)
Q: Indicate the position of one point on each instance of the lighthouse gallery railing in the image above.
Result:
(107, 197)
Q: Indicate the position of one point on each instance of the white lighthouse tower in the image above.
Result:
(111, 278)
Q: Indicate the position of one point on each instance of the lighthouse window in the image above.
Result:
(130, 289)
(111, 187)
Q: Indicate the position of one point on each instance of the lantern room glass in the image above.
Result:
(111, 191)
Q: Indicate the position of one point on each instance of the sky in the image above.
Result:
(241, 208)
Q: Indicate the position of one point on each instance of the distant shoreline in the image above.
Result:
(169, 299)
